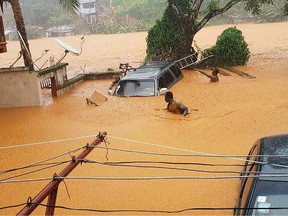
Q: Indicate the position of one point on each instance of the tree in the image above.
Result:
(70, 5)
(190, 16)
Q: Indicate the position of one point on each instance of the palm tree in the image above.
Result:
(70, 5)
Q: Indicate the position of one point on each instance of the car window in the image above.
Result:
(270, 194)
(166, 80)
(161, 82)
(176, 71)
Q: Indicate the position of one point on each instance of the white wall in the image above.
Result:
(87, 11)
(19, 88)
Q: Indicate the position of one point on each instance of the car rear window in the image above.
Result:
(166, 80)
(176, 71)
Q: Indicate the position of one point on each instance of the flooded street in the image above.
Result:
(232, 114)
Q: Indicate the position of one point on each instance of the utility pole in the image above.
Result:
(52, 188)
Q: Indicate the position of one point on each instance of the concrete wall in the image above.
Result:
(19, 88)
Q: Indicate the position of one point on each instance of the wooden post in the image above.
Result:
(51, 202)
(53, 86)
(3, 42)
(49, 190)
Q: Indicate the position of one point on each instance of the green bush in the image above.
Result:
(230, 49)
(61, 20)
(34, 32)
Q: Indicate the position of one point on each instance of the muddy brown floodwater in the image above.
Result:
(232, 114)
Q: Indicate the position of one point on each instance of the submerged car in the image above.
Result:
(150, 79)
(264, 180)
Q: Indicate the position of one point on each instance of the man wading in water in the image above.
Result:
(213, 77)
(174, 106)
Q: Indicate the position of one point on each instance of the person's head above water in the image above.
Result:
(168, 96)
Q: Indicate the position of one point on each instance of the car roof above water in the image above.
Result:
(148, 70)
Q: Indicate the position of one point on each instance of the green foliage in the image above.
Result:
(165, 35)
(273, 13)
(255, 5)
(213, 6)
(34, 32)
(110, 28)
(141, 14)
(60, 20)
(229, 50)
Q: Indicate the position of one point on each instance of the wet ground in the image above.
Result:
(231, 116)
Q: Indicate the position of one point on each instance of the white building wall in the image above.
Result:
(87, 7)
(19, 88)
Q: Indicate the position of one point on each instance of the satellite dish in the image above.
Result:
(66, 46)
(23, 45)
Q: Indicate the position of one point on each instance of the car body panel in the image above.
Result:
(266, 190)
(148, 79)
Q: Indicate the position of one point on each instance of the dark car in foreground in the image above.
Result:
(150, 79)
(264, 180)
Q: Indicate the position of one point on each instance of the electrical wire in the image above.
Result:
(34, 171)
(187, 155)
(143, 178)
(181, 163)
(12, 206)
(180, 169)
(198, 155)
(40, 162)
(160, 167)
(26, 180)
(156, 211)
(32, 166)
(165, 177)
(47, 142)
(152, 144)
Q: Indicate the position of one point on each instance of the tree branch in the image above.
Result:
(177, 11)
(194, 9)
(180, 16)
(212, 14)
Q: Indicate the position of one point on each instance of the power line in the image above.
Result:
(159, 167)
(39, 162)
(178, 163)
(47, 142)
(180, 169)
(202, 155)
(26, 180)
(12, 206)
(141, 178)
(34, 171)
(165, 177)
(157, 211)
(196, 153)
